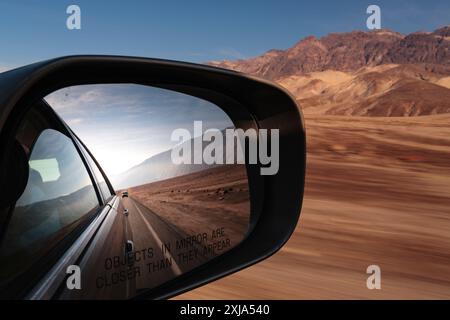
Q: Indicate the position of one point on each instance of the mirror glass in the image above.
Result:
(183, 193)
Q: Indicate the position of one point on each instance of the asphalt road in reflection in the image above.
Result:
(149, 232)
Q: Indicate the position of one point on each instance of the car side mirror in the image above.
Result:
(177, 156)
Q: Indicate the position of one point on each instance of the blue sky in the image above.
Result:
(196, 31)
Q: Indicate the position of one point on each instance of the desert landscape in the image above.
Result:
(377, 115)
(202, 201)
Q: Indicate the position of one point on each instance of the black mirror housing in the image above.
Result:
(250, 102)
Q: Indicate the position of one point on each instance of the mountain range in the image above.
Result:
(156, 168)
(161, 166)
(374, 73)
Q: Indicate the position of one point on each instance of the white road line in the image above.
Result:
(175, 268)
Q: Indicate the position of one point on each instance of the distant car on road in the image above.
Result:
(125, 194)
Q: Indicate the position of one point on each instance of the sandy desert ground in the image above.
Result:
(377, 192)
(198, 205)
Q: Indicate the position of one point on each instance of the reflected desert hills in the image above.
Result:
(377, 114)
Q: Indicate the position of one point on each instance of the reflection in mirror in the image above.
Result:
(184, 196)
(58, 196)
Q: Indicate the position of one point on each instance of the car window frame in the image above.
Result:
(21, 284)
(89, 157)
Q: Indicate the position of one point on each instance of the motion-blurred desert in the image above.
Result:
(377, 192)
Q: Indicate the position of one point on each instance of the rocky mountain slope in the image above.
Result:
(348, 52)
(377, 73)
